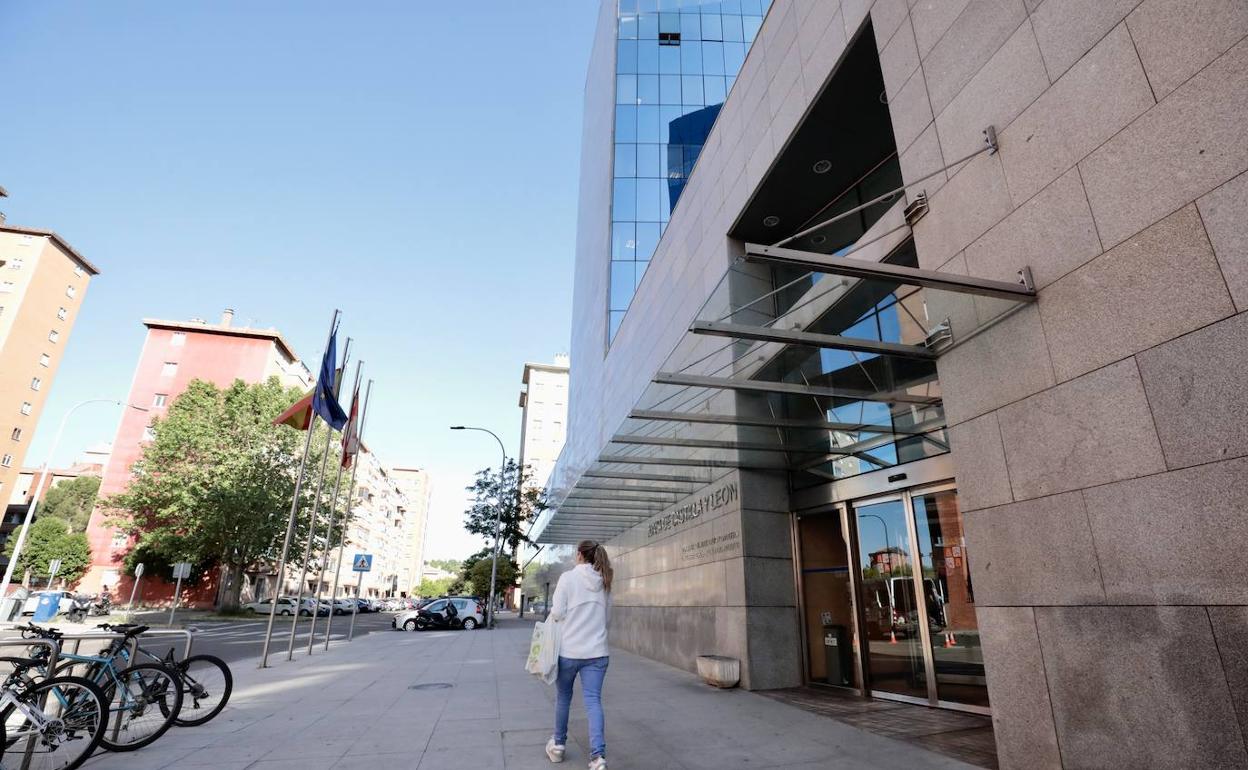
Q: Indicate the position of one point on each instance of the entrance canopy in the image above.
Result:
(819, 365)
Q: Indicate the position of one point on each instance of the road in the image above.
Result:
(233, 641)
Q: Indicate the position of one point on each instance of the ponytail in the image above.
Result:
(596, 556)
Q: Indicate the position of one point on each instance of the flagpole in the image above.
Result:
(346, 516)
(333, 515)
(316, 510)
(290, 521)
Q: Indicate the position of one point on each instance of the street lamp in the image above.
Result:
(43, 477)
(498, 517)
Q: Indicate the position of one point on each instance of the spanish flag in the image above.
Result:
(299, 415)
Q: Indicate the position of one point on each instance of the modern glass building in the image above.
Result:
(675, 62)
(932, 391)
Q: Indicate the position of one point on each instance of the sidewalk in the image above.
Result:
(448, 700)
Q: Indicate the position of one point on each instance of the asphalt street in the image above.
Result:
(233, 641)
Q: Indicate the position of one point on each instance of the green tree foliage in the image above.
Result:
(518, 510)
(429, 588)
(71, 501)
(49, 539)
(448, 565)
(214, 486)
(477, 577)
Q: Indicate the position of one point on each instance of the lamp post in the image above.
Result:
(43, 477)
(498, 517)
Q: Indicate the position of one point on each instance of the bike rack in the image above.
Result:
(78, 639)
(54, 654)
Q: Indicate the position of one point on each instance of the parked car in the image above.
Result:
(344, 606)
(285, 606)
(65, 601)
(469, 613)
(310, 602)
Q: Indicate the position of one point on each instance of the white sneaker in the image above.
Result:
(598, 763)
(554, 751)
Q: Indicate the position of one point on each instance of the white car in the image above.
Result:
(285, 606)
(468, 615)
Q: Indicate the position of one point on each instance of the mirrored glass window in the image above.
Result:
(676, 61)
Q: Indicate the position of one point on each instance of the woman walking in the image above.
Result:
(582, 607)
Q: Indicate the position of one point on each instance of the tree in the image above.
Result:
(49, 539)
(518, 511)
(214, 486)
(447, 565)
(429, 588)
(71, 501)
(477, 577)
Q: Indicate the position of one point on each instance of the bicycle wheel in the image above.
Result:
(65, 729)
(143, 701)
(206, 687)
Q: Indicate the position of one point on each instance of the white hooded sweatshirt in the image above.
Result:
(582, 609)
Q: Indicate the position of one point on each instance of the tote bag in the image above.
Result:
(543, 658)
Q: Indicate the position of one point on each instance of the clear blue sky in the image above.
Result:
(413, 163)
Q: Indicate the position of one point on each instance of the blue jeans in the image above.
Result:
(592, 671)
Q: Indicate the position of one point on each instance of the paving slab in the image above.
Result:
(446, 700)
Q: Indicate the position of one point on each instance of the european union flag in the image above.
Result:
(324, 402)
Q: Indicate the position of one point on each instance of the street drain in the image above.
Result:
(431, 686)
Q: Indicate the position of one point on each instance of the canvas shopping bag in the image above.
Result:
(535, 648)
(548, 655)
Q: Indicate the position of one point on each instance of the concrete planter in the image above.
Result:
(719, 671)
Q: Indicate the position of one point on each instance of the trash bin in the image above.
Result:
(49, 604)
(836, 654)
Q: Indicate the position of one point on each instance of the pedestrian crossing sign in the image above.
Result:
(362, 562)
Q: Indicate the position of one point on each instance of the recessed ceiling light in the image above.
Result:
(771, 221)
(822, 167)
(818, 240)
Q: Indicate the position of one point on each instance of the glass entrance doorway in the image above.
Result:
(889, 577)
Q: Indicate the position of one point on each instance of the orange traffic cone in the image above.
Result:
(892, 637)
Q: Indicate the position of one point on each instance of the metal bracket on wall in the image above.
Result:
(939, 334)
(1024, 277)
(990, 139)
(917, 208)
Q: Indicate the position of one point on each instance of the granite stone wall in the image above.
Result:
(696, 580)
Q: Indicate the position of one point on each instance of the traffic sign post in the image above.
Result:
(54, 566)
(138, 576)
(360, 563)
(180, 570)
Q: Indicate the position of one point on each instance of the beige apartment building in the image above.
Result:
(417, 487)
(543, 423)
(43, 282)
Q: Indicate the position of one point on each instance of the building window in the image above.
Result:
(27, 407)
(159, 399)
(178, 339)
(17, 434)
(17, 263)
(7, 286)
(35, 383)
(78, 271)
(62, 313)
(7, 461)
(71, 292)
(54, 335)
(149, 434)
(45, 360)
(169, 369)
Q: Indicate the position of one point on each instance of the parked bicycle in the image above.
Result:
(205, 680)
(143, 698)
(49, 724)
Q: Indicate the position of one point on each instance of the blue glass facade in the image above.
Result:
(675, 62)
